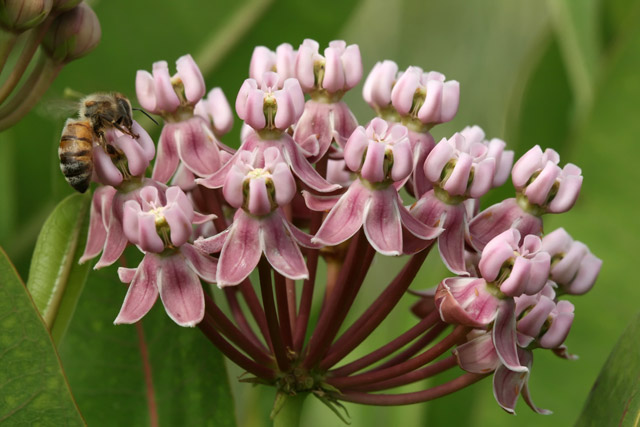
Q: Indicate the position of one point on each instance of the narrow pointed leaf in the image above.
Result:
(32, 383)
(55, 277)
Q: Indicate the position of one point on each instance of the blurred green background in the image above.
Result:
(560, 73)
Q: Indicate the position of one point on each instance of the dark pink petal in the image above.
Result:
(167, 158)
(319, 203)
(104, 170)
(142, 292)
(301, 237)
(504, 336)
(115, 244)
(197, 147)
(419, 229)
(99, 217)
(204, 266)
(180, 291)
(213, 244)
(346, 217)
(241, 251)
(382, 224)
(302, 168)
(217, 179)
(527, 359)
(507, 386)
(451, 241)
(280, 248)
(126, 274)
(498, 218)
(464, 301)
(478, 355)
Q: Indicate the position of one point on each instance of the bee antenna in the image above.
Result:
(146, 114)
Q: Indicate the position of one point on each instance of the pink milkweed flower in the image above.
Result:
(111, 168)
(171, 267)
(339, 70)
(377, 89)
(266, 107)
(282, 61)
(105, 222)
(459, 168)
(495, 149)
(215, 109)
(543, 319)
(258, 189)
(425, 97)
(573, 267)
(326, 118)
(184, 136)
(479, 356)
(541, 187)
(270, 112)
(381, 155)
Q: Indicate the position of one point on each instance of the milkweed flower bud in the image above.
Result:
(518, 269)
(573, 267)
(339, 70)
(537, 176)
(267, 107)
(282, 61)
(426, 96)
(215, 109)
(72, 34)
(20, 15)
(380, 153)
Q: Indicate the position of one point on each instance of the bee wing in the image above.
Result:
(57, 108)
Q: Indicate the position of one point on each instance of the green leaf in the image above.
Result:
(123, 374)
(32, 384)
(615, 397)
(55, 277)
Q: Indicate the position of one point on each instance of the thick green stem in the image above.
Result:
(7, 41)
(290, 412)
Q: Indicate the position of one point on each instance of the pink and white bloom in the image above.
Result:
(185, 137)
(282, 61)
(270, 112)
(339, 70)
(574, 268)
(381, 155)
(541, 187)
(171, 267)
(479, 356)
(459, 168)
(259, 226)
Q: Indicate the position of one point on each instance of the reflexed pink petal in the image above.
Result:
(507, 385)
(194, 87)
(301, 167)
(180, 291)
(142, 292)
(419, 229)
(167, 159)
(204, 266)
(100, 211)
(527, 359)
(241, 251)
(281, 249)
(451, 241)
(500, 217)
(382, 224)
(213, 244)
(346, 217)
(115, 244)
(504, 336)
(301, 237)
(478, 355)
(126, 274)
(319, 203)
(197, 147)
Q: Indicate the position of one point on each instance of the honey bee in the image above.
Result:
(98, 113)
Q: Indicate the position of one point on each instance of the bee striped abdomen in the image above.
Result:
(75, 151)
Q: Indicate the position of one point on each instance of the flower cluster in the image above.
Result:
(307, 182)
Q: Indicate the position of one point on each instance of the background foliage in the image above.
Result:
(560, 73)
